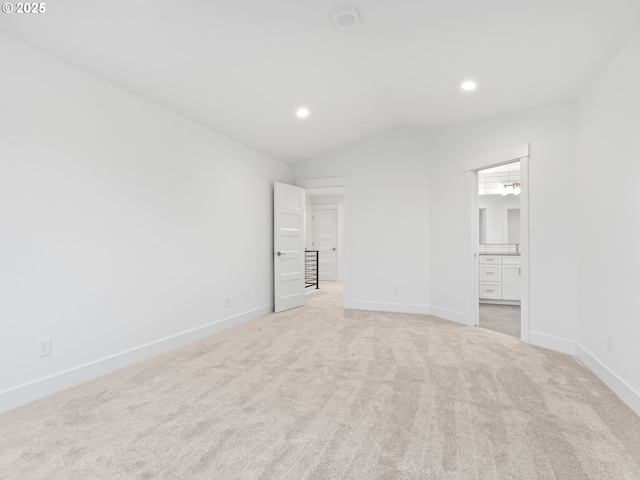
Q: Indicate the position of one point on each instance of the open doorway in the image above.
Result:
(324, 230)
(325, 195)
(499, 241)
(477, 219)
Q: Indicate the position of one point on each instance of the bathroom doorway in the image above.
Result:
(499, 247)
(499, 239)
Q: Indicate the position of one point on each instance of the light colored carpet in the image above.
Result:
(323, 393)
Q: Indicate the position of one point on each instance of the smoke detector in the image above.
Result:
(346, 19)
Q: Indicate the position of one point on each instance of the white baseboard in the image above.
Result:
(624, 391)
(389, 307)
(451, 315)
(28, 392)
(443, 313)
(550, 342)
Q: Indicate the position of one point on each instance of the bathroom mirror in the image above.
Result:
(499, 205)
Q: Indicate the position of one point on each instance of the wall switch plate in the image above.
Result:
(226, 301)
(396, 290)
(44, 346)
(610, 342)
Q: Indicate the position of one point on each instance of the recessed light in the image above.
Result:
(468, 85)
(302, 112)
(346, 19)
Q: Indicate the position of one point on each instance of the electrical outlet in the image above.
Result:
(44, 346)
(396, 290)
(610, 342)
(226, 301)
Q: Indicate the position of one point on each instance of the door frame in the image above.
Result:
(471, 167)
(327, 182)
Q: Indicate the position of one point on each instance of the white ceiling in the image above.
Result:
(242, 67)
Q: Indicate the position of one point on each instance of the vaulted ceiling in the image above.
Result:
(243, 67)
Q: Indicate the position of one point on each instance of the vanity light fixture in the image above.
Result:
(511, 188)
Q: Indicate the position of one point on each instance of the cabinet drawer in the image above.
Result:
(490, 290)
(490, 273)
(491, 259)
(511, 260)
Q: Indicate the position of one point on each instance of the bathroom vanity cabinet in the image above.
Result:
(500, 278)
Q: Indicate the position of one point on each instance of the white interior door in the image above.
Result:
(325, 222)
(288, 241)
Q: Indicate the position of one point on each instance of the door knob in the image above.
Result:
(280, 254)
(333, 248)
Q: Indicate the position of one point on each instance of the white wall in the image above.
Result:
(389, 218)
(552, 225)
(411, 224)
(121, 224)
(608, 171)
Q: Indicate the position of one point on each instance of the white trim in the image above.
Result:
(622, 389)
(421, 309)
(525, 297)
(450, 315)
(43, 387)
(323, 182)
(497, 158)
(474, 304)
(550, 342)
(346, 247)
(390, 307)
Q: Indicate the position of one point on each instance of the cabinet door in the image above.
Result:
(511, 282)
